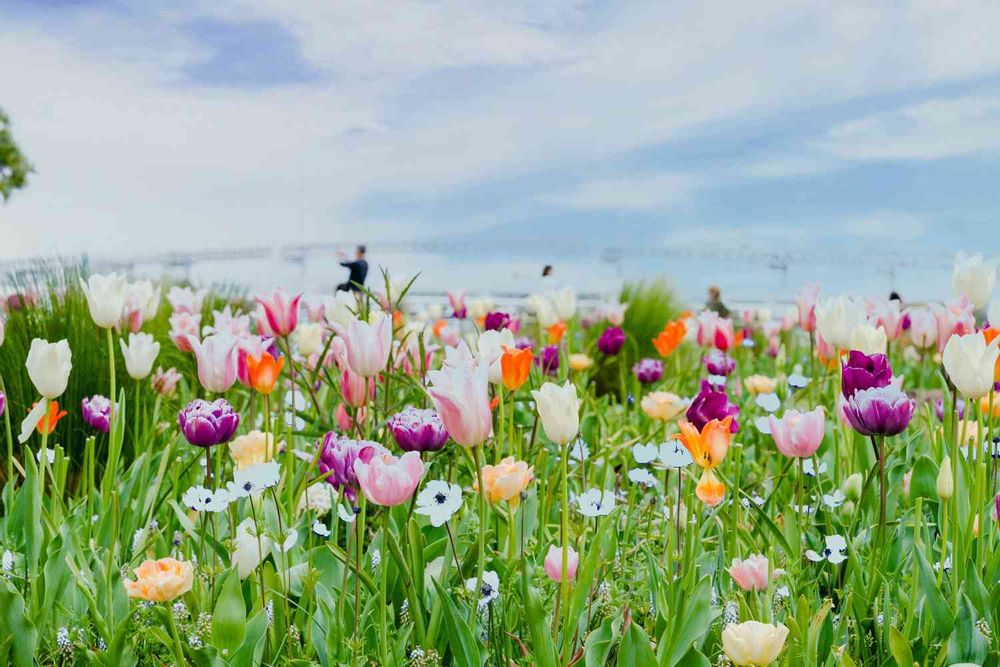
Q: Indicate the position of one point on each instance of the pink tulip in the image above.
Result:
(456, 299)
(217, 360)
(461, 394)
(750, 574)
(355, 389)
(954, 317)
(553, 563)
(388, 480)
(798, 434)
(923, 328)
(715, 331)
(186, 300)
(183, 325)
(249, 346)
(314, 308)
(282, 313)
(367, 345)
(805, 301)
(344, 420)
(888, 316)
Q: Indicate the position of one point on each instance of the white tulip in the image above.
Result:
(490, 348)
(559, 409)
(340, 308)
(248, 552)
(869, 339)
(106, 298)
(145, 297)
(836, 319)
(564, 302)
(140, 353)
(48, 366)
(543, 309)
(970, 363)
(974, 278)
(309, 338)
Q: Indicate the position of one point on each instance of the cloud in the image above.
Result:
(640, 193)
(887, 225)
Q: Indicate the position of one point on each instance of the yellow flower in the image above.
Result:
(580, 362)
(160, 580)
(663, 405)
(753, 643)
(506, 480)
(253, 448)
(760, 384)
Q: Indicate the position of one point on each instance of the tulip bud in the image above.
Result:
(847, 508)
(945, 481)
(852, 486)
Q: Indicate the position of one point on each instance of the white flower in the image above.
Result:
(50, 456)
(717, 380)
(803, 509)
(254, 479)
(835, 499)
(768, 402)
(835, 551)
(200, 499)
(757, 500)
(490, 348)
(320, 528)
(975, 278)
(947, 564)
(810, 470)
(346, 514)
(798, 380)
(140, 353)
(564, 302)
(836, 319)
(309, 338)
(142, 295)
(763, 424)
(674, 455)
(48, 367)
(105, 297)
(291, 539)
(595, 502)
(247, 554)
(7, 561)
(318, 497)
(559, 409)
(642, 476)
(645, 453)
(869, 339)
(439, 501)
(489, 588)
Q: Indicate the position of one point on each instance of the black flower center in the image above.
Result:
(486, 590)
(440, 498)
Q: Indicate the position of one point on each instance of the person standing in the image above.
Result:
(358, 270)
(714, 302)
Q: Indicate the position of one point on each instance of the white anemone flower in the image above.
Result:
(439, 501)
(489, 588)
(834, 551)
(595, 502)
(642, 476)
(674, 455)
(645, 453)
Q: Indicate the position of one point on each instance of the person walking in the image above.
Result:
(358, 270)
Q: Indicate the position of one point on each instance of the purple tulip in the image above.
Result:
(97, 412)
(418, 430)
(862, 371)
(524, 343)
(548, 360)
(496, 321)
(611, 341)
(719, 363)
(880, 410)
(648, 370)
(939, 409)
(996, 503)
(337, 457)
(709, 404)
(206, 424)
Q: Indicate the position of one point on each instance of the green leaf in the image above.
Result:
(923, 481)
(694, 658)
(691, 622)
(463, 645)
(597, 648)
(900, 648)
(635, 650)
(939, 609)
(966, 643)
(229, 618)
(541, 638)
(14, 624)
(250, 652)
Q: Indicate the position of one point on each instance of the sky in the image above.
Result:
(853, 143)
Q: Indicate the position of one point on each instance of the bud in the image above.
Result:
(945, 481)
(852, 486)
(847, 508)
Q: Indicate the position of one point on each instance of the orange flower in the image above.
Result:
(397, 320)
(671, 336)
(160, 580)
(708, 448)
(506, 481)
(48, 422)
(264, 372)
(439, 327)
(989, 335)
(515, 365)
(556, 332)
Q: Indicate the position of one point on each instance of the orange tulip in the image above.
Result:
(709, 489)
(48, 422)
(439, 327)
(556, 332)
(989, 335)
(708, 448)
(264, 371)
(515, 365)
(671, 336)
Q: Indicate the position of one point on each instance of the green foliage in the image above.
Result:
(651, 304)
(14, 165)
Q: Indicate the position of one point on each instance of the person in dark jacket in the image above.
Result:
(358, 269)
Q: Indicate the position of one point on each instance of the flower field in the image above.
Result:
(204, 477)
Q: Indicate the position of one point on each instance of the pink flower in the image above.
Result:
(798, 434)
(553, 563)
(249, 346)
(355, 389)
(388, 480)
(887, 314)
(367, 345)
(955, 317)
(182, 326)
(715, 331)
(186, 300)
(923, 328)
(456, 299)
(805, 301)
(344, 421)
(750, 574)
(217, 360)
(281, 313)
(460, 391)
(314, 308)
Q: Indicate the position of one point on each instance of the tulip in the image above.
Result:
(753, 643)
(490, 348)
(868, 339)
(515, 366)
(716, 331)
(718, 363)
(263, 372)
(543, 309)
(252, 448)
(105, 298)
(883, 410)
(805, 302)
(47, 423)
(662, 405)
(496, 321)
(505, 481)
(160, 580)
(836, 319)
(945, 484)
(559, 409)
(217, 359)
(165, 381)
(611, 341)
(955, 317)
(992, 316)
(708, 447)
(206, 424)
(888, 316)
(140, 353)
(668, 339)
(418, 430)
(256, 346)
(548, 361)
(751, 574)
(798, 434)
(862, 371)
(648, 371)
(456, 299)
(580, 362)
(356, 390)
(923, 328)
(97, 412)
(556, 332)
(990, 335)
(974, 278)
(553, 563)
(282, 313)
(461, 396)
(387, 480)
(141, 295)
(186, 300)
(564, 303)
(760, 384)
(183, 326)
(337, 457)
(711, 404)
(48, 366)
(309, 338)
(970, 363)
(367, 344)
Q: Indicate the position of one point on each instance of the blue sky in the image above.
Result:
(844, 137)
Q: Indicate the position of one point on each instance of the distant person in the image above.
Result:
(547, 271)
(358, 268)
(894, 296)
(714, 302)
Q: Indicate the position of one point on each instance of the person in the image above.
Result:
(547, 271)
(715, 301)
(358, 269)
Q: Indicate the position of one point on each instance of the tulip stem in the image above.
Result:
(10, 438)
(482, 531)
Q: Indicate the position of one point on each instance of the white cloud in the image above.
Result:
(887, 224)
(638, 193)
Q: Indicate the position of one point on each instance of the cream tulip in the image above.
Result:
(490, 348)
(970, 362)
(48, 366)
(945, 483)
(869, 339)
(145, 297)
(106, 298)
(836, 319)
(309, 338)
(140, 353)
(559, 409)
(564, 302)
(753, 643)
(974, 277)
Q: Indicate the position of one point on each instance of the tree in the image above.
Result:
(14, 166)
